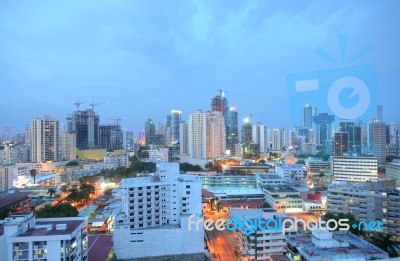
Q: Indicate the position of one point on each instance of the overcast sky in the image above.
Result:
(144, 58)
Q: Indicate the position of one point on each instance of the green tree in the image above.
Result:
(60, 210)
(51, 192)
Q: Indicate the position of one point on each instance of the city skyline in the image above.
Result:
(143, 62)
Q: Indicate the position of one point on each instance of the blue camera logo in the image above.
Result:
(346, 92)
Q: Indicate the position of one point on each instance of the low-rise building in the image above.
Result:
(159, 155)
(19, 202)
(323, 245)
(392, 170)
(267, 244)
(283, 198)
(22, 237)
(367, 202)
(117, 160)
(354, 169)
(269, 180)
(293, 174)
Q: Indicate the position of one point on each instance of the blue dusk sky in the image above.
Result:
(144, 58)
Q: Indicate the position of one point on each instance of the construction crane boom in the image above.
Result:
(78, 103)
(95, 104)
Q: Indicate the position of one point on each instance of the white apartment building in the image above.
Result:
(260, 137)
(155, 214)
(45, 139)
(22, 237)
(6, 178)
(269, 243)
(68, 146)
(367, 202)
(207, 133)
(117, 160)
(354, 169)
(158, 155)
(317, 166)
(293, 174)
(283, 198)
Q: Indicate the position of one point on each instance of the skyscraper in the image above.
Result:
(220, 103)
(232, 135)
(149, 130)
(260, 137)
(45, 139)
(110, 137)
(379, 112)
(8, 133)
(85, 124)
(247, 130)
(184, 138)
(323, 122)
(308, 113)
(377, 137)
(276, 140)
(175, 121)
(340, 143)
(206, 135)
(354, 136)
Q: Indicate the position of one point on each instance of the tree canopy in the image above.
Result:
(60, 210)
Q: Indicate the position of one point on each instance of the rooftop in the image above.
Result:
(40, 228)
(99, 246)
(357, 247)
(13, 199)
(280, 189)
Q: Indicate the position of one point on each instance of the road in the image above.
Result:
(222, 245)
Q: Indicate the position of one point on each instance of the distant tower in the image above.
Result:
(149, 130)
(260, 136)
(85, 124)
(247, 130)
(175, 122)
(308, 113)
(377, 137)
(45, 139)
(323, 122)
(220, 103)
(379, 113)
(232, 129)
(340, 143)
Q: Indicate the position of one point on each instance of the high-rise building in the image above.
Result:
(260, 137)
(220, 103)
(45, 139)
(28, 134)
(156, 211)
(67, 146)
(85, 124)
(184, 138)
(308, 114)
(129, 141)
(379, 113)
(111, 137)
(8, 133)
(354, 132)
(377, 138)
(206, 135)
(323, 123)
(247, 130)
(232, 129)
(276, 140)
(149, 130)
(340, 143)
(175, 121)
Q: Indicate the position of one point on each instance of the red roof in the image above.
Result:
(244, 203)
(99, 247)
